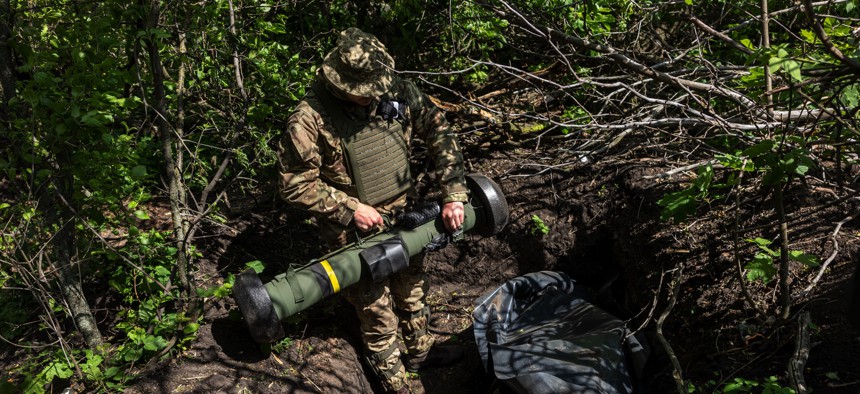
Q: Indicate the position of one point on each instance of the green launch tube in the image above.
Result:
(264, 306)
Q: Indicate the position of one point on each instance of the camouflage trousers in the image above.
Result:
(382, 307)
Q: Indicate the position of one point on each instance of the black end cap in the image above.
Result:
(256, 307)
(493, 206)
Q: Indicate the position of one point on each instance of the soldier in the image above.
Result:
(345, 158)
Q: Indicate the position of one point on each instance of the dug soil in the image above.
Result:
(603, 229)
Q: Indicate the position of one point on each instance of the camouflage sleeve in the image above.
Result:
(299, 162)
(430, 124)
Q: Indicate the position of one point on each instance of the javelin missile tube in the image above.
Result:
(264, 306)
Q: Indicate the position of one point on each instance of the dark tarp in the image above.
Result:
(537, 334)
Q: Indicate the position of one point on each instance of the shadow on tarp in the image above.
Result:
(537, 334)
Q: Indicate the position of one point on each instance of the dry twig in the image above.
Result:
(830, 258)
(677, 374)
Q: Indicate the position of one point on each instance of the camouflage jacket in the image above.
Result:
(312, 166)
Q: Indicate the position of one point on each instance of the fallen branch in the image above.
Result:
(628, 63)
(650, 312)
(854, 65)
(801, 354)
(830, 258)
(722, 36)
(674, 171)
(677, 374)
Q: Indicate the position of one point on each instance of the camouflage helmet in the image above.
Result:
(359, 65)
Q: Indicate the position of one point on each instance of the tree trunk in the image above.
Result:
(169, 147)
(784, 285)
(7, 65)
(70, 287)
(68, 278)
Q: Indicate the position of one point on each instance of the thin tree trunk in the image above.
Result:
(784, 287)
(187, 303)
(165, 132)
(68, 278)
(69, 281)
(7, 66)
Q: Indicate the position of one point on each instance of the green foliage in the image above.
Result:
(53, 367)
(776, 162)
(768, 386)
(282, 345)
(681, 204)
(147, 320)
(538, 227)
(762, 268)
(225, 289)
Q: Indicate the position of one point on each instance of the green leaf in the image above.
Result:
(806, 259)
(142, 215)
(255, 265)
(191, 328)
(57, 369)
(760, 268)
(4, 205)
(138, 172)
(793, 69)
(111, 372)
(732, 387)
(759, 149)
(132, 355)
(152, 342)
(223, 290)
(161, 271)
(204, 292)
(92, 119)
(760, 241)
(775, 63)
(43, 78)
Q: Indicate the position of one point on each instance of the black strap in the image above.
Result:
(376, 359)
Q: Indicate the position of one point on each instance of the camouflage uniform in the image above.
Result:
(314, 176)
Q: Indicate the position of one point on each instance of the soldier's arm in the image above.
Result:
(430, 125)
(299, 162)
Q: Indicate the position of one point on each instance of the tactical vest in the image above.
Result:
(376, 152)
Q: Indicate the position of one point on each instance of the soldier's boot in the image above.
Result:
(389, 369)
(421, 353)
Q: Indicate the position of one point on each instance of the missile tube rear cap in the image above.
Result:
(492, 204)
(257, 308)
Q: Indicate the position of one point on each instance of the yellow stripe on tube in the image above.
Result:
(331, 276)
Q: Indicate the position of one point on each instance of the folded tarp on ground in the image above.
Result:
(538, 334)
